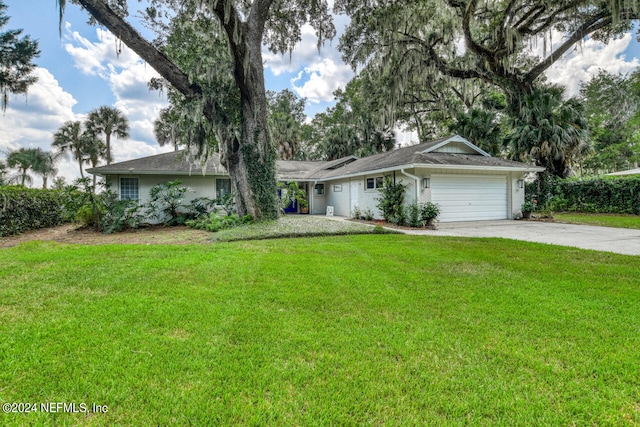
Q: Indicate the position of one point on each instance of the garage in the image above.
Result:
(470, 197)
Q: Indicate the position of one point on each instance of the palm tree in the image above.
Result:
(95, 150)
(480, 127)
(25, 159)
(166, 128)
(46, 168)
(339, 142)
(108, 121)
(285, 134)
(549, 130)
(70, 139)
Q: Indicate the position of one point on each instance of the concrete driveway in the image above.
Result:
(618, 240)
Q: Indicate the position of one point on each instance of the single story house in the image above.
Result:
(466, 182)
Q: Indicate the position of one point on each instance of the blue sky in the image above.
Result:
(81, 71)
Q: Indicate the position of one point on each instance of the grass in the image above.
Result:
(605, 220)
(350, 330)
(295, 226)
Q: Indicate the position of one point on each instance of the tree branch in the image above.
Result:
(125, 32)
(468, 37)
(597, 22)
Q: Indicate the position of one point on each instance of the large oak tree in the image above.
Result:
(495, 42)
(247, 154)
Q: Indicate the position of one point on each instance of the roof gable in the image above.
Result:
(455, 145)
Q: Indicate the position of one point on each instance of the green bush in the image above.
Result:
(413, 212)
(216, 222)
(422, 214)
(428, 212)
(597, 195)
(23, 209)
(391, 201)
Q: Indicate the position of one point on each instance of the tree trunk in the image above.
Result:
(80, 165)
(251, 163)
(108, 145)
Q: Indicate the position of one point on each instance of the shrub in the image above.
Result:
(422, 214)
(413, 213)
(356, 213)
(216, 222)
(597, 195)
(391, 201)
(118, 215)
(23, 209)
(368, 215)
(167, 203)
(429, 212)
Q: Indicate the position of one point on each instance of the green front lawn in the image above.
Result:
(605, 220)
(351, 330)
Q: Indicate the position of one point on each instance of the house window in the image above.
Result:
(319, 189)
(129, 189)
(373, 183)
(223, 186)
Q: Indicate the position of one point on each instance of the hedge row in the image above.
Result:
(600, 195)
(23, 209)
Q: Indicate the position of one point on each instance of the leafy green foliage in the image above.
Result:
(354, 126)
(550, 130)
(613, 111)
(598, 195)
(167, 203)
(391, 201)
(73, 138)
(107, 121)
(286, 121)
(428, 212)
(482, 127)
(291, 192)
(16, 56)
(23, 209)
(25, 160)
(422, 214)
(216, 222)
(117, 215)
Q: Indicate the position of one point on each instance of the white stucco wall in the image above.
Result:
(338, 196)
(203, 186)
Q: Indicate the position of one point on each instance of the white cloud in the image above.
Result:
(30, 121)
(304, 53)
(584, 62)
(315, 74)
(323, 78)
(101, 57)
(127, 76)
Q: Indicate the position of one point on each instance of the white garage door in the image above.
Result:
(470, 197)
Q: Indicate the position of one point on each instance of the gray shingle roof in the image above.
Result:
(176, 163)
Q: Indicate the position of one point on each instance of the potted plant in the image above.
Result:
(302, 202)
(428, 213)
(528, 207)
(293, 192)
